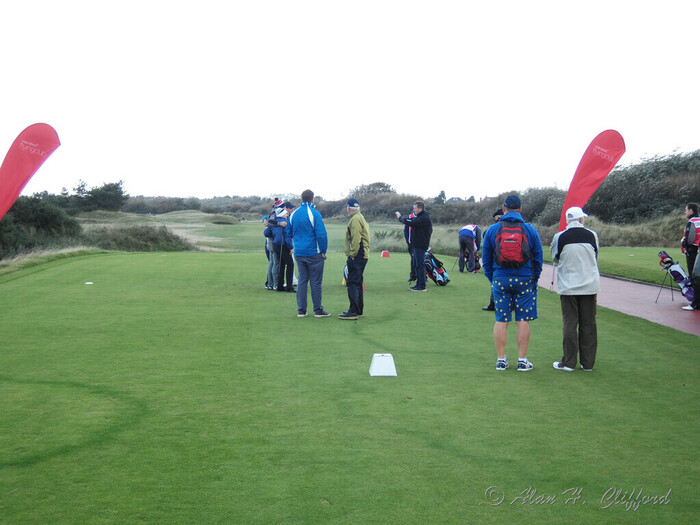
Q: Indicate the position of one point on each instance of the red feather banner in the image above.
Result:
(26, 155)
(597, 162)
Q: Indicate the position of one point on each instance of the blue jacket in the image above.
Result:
(277, 234)
(267, 232)
(306, 227)
(288, 239)
(532, 269)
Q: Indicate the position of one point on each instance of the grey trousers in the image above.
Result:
(579, 331)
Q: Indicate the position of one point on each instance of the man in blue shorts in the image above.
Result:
(512, 261)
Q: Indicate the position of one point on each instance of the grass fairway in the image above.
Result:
(176, 389)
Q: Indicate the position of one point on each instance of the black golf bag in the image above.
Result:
(676, 271)
(477, 262)
(435, 270)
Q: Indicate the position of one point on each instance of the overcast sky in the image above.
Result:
(210, 98)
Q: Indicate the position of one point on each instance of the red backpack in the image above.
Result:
(512, 249)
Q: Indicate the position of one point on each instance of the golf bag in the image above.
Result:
(435, 270)
(676, 271)
(477, 262)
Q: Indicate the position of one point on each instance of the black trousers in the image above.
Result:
(412, 275)
(467, 251)
(695, 275)
(579, 331)
(356, 270)
(690, 256)
(286, 267)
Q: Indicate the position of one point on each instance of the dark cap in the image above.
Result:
(512, 202)
(353, 203)
(288, 204)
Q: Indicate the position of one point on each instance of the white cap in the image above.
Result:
(574, 213)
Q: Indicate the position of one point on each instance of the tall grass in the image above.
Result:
(41, 257)
(199, 229)
(137, 238)
(664, 232)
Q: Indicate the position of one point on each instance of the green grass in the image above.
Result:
(220, 233)
(176, 389)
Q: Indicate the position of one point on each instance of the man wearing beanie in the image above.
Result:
(357, 252)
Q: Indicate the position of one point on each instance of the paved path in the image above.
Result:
(639, 299)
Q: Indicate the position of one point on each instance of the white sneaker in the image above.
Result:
(559, 366)
(524, 366)
(688, 308)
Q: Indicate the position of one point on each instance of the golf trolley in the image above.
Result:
(675, 272)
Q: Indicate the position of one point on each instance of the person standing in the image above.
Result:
(513, 283)
(691, 236)
(276, 227)
(409, 248)
(421, 230)
(357, 252)
(271, 282)
(310, 244)
(695, 276)
(496, 217)
(285, 277)
(270, 222)
(575, 256)
(469, 244)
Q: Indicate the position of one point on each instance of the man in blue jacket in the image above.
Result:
(310, 244)
(513, 283)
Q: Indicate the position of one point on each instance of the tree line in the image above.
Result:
(642, 191)
(652, 188)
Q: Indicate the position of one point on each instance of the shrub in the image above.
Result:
(33, 223)
(391, 240)
(137, 239)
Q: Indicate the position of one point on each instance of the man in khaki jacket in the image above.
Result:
(357, 251)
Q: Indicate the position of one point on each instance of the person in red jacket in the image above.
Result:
(691, 235)
(689, 245)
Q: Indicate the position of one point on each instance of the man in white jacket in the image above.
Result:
(575, 254)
